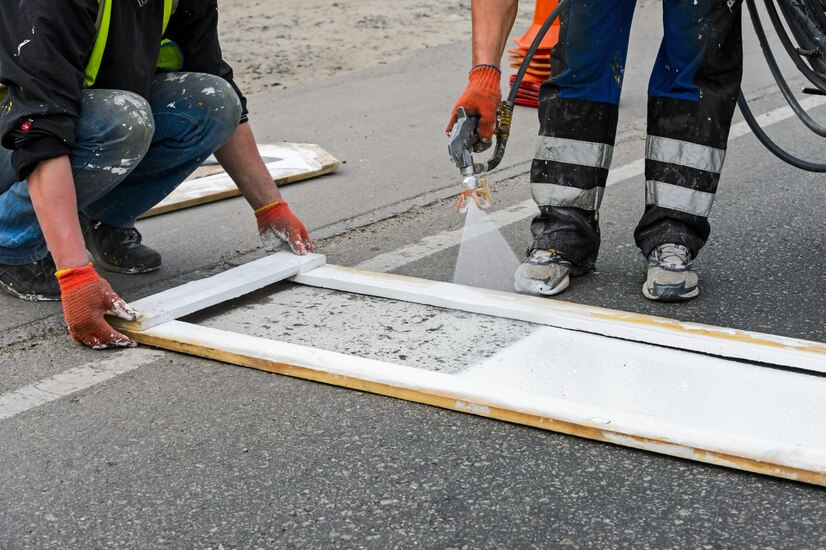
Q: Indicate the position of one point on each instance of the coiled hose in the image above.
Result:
(806, 20)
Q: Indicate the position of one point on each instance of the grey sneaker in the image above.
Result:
(544, 273)
(670, 275)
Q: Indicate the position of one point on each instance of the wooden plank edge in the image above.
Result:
(153, 316)
(329, 165)
(718, 341)
(484, 410)
(187, 203)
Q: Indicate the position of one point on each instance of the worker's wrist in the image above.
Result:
(71, 255)
(269, 215)
(489, 65)
(271, 206)
(485, 76)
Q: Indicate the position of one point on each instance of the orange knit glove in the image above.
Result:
(481, 98)
(86, 298)
(277, 224)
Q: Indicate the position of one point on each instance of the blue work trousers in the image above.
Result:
(692, 94)
(130, 153)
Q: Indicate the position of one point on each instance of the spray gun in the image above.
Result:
(463, 140)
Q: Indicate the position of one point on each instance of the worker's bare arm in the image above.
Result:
(492, 23)
(240, 158)
(52, 189)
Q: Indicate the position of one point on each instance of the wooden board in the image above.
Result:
(652, 383)
(197, 295)
(467, 395)
(287, 163)
(718, 341)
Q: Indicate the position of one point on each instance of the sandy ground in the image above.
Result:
(278, 43)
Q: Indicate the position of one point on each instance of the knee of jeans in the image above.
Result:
(220, 104)
(128, 127)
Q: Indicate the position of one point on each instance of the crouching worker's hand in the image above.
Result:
(277, 225)
(86, 298)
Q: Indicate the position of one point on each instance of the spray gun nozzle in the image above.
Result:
(479, 195)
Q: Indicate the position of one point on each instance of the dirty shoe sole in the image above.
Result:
(126, 270)
(670, 293)
(29, 297)
(535, 287)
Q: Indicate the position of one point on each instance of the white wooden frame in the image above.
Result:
(159, 327)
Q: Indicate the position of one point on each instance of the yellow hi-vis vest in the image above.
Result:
(169, 59)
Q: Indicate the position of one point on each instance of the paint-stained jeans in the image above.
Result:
(130, 153)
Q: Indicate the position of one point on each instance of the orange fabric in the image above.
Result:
(277, 223)
(86, 298)
(481, 98)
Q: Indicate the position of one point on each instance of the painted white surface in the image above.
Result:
(197, 295)
(479, 395)
(290, 160)
(447, 239)
(74, 380)
(679, 387)
(723, 342)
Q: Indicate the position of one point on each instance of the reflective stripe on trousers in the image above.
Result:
(551, 194)
(573, 152)
(685, 153)
(676, 197)
(682, 154)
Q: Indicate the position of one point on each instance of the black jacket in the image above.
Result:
(44, 48)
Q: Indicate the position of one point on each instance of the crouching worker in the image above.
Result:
(99, 122)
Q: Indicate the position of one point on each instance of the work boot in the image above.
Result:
(545, 273)
(34, 282)
(118, 249)
(670, 275)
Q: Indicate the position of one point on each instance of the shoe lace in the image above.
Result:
(542, 255)
(47, 268)
(130, 236)
(673, 255)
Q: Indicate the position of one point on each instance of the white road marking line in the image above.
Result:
(74, 380)
(447, 239)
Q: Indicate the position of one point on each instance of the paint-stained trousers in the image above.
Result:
(692, 94)
(129, 155)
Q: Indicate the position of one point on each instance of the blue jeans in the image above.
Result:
(129, 155)
(596, 44)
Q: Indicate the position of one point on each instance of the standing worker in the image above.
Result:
(101, 121)
(692, 93)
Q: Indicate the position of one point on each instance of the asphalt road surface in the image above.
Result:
(160, 450)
